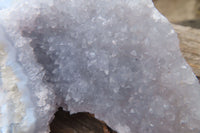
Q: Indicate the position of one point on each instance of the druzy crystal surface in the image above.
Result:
(118, 59)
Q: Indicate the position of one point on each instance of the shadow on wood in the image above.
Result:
(82, 122)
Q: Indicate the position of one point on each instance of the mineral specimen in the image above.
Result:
(118, 59)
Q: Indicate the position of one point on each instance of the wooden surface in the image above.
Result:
(190, 46)
(178, 10)
(77, 123)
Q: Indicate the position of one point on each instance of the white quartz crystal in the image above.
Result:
(118, 59)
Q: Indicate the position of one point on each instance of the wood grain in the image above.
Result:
(190, 46)
(82, 122)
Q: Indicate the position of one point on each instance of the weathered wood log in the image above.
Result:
(190, 46)
(82, 122)
(178, 10)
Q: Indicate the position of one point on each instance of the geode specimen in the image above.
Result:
(118, 59)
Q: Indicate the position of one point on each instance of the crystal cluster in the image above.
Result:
(118, 59)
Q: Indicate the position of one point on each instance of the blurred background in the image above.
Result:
(184, 12)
